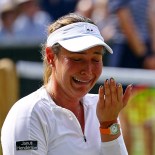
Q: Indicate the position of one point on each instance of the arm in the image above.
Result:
(152, 23)
(129, 29)
(149, 61)
(85, 8)
(32, 129)
(111, 102)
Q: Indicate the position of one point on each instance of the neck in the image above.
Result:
(73, 104)
(61, 98)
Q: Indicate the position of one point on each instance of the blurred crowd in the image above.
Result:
(24, 22)
(126, 25)
(129, 26)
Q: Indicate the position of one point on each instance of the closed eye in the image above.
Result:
(96, 60)
(76, 59)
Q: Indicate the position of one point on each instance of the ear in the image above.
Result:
(49, 55)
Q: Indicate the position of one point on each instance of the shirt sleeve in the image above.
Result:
(31, 135)
(116, 147)
(25, 132)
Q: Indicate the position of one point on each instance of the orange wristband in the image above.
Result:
(112, 130)
(105, 131)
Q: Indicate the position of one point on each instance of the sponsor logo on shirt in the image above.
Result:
(27, 145)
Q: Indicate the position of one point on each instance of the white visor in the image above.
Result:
(77, 37)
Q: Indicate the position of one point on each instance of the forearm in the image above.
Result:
(128, 27)
(115, 147)
(113, 144)
(152, 23)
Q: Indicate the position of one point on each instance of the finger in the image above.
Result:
(101, 95)
(101, 92)
(127, 94)
(113, 91)
(119, 92)
(107, 93)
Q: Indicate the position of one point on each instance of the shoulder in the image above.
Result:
(28, 120)
(29, 104)
(29, 111)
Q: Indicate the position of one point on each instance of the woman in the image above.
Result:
(62, 117)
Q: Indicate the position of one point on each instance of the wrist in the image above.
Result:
(107, 124)
(113, 129)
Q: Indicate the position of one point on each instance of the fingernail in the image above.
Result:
(101, 86)
(107, 81)
(112, 79)
(131, 86)
(119, 85)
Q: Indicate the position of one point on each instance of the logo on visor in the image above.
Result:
(90, 29)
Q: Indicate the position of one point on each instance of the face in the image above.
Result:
(74, 74)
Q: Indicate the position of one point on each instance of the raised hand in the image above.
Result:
(111, 100)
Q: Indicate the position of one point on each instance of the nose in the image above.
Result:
(87, 69)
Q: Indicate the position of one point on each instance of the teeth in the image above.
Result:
(79, 80)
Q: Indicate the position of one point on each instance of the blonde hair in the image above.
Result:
(62, 21)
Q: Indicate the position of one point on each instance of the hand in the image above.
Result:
(140, 51)
(149, 62)
(111, 100)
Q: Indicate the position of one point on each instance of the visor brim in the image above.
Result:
(83, 43)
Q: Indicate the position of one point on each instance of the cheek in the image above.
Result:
(98, 69)
(68, 68)
(71, 66)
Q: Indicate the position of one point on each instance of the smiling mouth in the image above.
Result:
(81, 81)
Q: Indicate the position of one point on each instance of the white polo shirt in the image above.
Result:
(35, 125)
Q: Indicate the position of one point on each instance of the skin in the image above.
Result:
(130, 31)
(73, 76)
(151, 14)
